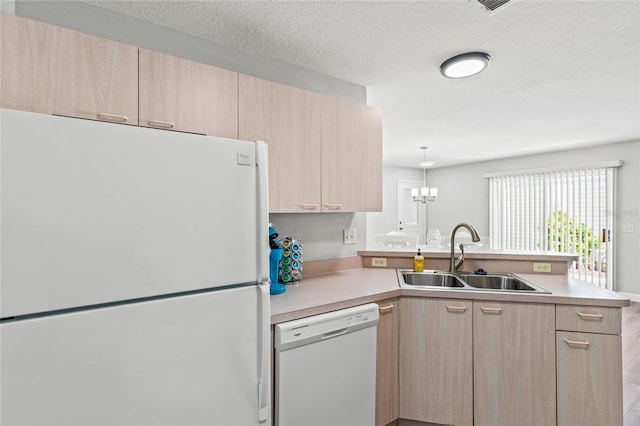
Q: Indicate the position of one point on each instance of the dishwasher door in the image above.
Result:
(325, 372)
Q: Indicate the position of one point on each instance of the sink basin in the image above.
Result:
(431, 279)
(502, 282)
(465, 281)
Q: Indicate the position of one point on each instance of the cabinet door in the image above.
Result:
(514, 364)
(436, 365)
(351, 156)
(53, 70)
(387, 363)
(178, 94)
(288, 119)
(589, 385)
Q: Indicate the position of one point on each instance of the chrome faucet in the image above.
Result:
(455, 264)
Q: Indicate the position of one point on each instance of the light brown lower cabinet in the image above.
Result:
(436, 365)
(589, 373)
(387, 363)
(464, 362)
(589, 365)
(514, 364)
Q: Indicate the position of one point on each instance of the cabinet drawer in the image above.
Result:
(593, 319)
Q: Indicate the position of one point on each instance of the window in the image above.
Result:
(564, 211)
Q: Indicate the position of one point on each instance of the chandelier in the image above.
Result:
(425, 194)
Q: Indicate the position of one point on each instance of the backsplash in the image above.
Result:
(321, 233)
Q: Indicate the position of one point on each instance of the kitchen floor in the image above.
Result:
(631, 364)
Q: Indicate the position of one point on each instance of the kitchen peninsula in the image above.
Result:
(539, 356)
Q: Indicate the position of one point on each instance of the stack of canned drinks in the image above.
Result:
(290, 270)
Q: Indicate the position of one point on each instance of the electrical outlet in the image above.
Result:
(541, 267)
(379, 262)
(349, 236)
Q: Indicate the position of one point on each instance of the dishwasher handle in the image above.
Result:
(334, 333)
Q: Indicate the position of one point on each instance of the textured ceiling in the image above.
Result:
(564, 73)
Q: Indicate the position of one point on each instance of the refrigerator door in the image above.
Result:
(95, 212)
(188, 360)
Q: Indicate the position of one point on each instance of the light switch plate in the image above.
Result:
(349, 236)
(627, 227)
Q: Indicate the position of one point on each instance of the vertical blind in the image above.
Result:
(564, 211)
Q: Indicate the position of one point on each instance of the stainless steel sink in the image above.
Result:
(431, 279)
(501, 282)
(465, 281)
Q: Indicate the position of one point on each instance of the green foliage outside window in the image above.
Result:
(568, 236)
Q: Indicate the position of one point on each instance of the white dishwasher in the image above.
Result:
(325, 369)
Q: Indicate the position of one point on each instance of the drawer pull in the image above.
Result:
(161, 124)
(308, 206)
(112, 117)
(333, 206)
(589, 316)
(385, 309)
(583, 343)
(488, 310)
(451, 308)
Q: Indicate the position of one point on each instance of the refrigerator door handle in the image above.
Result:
(265, 351)
(262, 162)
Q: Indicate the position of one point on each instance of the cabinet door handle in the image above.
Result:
(161, 124)
(385, 309)
(585, 316)
(333, 206)
(451, 308)
(112, 117)
(308, 206)
(488, 310)
(583, 343)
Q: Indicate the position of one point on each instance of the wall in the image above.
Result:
(463, 196)
(321, 233)
(386, 221)
(8, 6)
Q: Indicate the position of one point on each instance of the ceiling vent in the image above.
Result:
(492, 6)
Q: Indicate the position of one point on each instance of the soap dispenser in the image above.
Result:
(418, 262)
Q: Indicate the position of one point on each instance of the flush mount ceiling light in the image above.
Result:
(465, 65)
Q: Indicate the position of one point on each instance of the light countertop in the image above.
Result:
(338, 290)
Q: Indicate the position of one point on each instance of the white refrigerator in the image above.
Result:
(134, 275)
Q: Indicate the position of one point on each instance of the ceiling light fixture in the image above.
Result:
(465, 65)
(424, 194)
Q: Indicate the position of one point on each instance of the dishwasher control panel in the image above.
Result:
(325, 326)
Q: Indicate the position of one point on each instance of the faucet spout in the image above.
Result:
(455, 263)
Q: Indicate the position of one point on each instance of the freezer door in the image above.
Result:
(189, 360)
(96, 212)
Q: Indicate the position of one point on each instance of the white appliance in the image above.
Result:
(325, 369)
(134, 275)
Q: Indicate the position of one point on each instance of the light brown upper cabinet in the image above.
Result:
(53, 70)
(325, 153)
(178, 94)
(288, 120)
(351, 156)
